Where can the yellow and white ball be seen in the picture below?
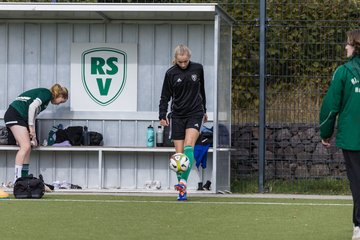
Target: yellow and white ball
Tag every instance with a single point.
(179, 162)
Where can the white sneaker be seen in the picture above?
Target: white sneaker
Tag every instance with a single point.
(156, 184)
(47, 189)
(356, 233)
(8, 185)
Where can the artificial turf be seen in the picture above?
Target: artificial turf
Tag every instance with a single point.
(147, 217)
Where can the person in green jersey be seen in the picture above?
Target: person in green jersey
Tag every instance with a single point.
(341, 103)
(20, 120)
(184, 86)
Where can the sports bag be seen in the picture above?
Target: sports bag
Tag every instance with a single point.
(91, 138)
(29, 187)
(72, 133)
(96, 138)
(58, 134)
(6, 136)
(206, 136)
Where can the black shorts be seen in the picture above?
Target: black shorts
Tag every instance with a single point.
(178, 126)
(13, 117)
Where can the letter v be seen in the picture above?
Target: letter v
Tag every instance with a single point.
(104, 90)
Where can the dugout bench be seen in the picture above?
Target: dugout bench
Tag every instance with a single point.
(42, 43)
(101, 151)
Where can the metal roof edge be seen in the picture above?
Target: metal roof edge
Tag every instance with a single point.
(219, 10)
(127, 7)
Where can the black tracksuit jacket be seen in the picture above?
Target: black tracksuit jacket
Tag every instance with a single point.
(185, 87)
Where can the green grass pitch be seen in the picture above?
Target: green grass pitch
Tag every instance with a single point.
(106, 217)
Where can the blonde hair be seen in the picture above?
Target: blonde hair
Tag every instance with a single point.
(58, 91)
(181, 50)
(354, 40)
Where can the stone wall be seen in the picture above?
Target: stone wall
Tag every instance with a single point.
(292, 151)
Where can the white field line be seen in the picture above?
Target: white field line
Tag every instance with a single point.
(187, 202)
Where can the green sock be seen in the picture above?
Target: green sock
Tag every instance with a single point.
(189, 152)
(25, 170)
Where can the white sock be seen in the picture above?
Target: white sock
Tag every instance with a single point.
(18, 169)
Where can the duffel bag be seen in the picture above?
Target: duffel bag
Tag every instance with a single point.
(29, 187)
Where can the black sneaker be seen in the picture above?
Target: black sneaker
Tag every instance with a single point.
(207, 185)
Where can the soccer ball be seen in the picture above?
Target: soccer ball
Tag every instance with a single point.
(179, 162)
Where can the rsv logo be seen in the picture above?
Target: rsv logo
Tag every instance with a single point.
(103, 72)
(354, 81)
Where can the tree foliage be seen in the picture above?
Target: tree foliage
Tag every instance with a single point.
(304, 45)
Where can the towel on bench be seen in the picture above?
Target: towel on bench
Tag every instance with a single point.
(200, 154)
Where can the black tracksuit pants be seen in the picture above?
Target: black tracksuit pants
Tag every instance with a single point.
(352, 162)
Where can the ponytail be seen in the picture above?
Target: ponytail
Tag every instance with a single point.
(58, 91)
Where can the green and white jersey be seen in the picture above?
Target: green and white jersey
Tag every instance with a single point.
(340, 107)
(23, 101)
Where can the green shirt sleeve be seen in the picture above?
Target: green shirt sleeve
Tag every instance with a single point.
(332, 103)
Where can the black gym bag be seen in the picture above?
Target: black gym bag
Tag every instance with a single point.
(29, 187)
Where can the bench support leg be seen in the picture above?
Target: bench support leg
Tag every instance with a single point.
(100, 156)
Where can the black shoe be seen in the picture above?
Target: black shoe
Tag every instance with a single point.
(50, 186)
(207, 185)
(73, 186)
(200, 186)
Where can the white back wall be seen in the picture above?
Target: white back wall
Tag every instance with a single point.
(39, 55)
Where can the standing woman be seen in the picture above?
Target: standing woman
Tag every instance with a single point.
(184, 85)
(20, 119)
(342, 102)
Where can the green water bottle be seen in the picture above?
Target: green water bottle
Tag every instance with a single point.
(150, 136)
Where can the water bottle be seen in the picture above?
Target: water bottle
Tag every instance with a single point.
(150, 136)
(159, 137)
(86, 137)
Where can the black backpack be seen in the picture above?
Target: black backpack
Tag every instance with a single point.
(6, 136)
(96, 138)
(206, 136)
(29, 187)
